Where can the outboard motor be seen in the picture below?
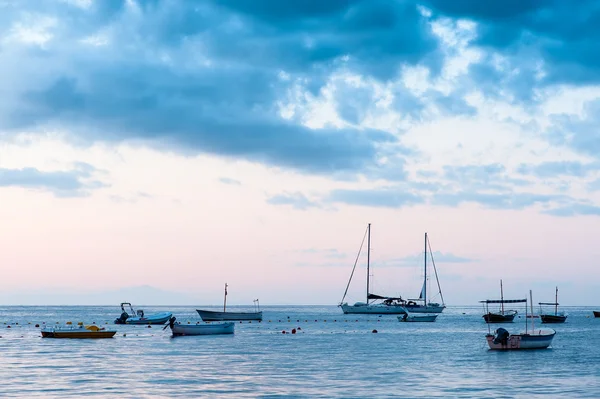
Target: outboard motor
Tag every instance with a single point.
(171, 323)
(501, 336)
(122, 319)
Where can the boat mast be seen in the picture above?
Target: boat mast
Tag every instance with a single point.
(531, 304)
(556, 302)
(368, 257)
(501, 297)
(225, 298)
(425, 268)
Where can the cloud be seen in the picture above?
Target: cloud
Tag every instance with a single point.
(558, 168)
(205, 78)
(387, 197)
(72, 183)
(438, 257)
(576, 209)
(230, 181)
(553, 35)
(296, 200)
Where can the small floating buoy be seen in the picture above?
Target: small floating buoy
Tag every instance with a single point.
(283, 332)
(293, 331)
(124, 335)
(374, 331)
(299, 328)
(149, 326)
(37, 325)
(80, 323)
(69, 323)
(8, 326)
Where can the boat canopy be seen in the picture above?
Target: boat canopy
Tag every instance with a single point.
(374, 296)
(549, 303)
(504, 301)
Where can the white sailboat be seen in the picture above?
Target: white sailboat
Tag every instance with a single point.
(375, 304)
(423, 304)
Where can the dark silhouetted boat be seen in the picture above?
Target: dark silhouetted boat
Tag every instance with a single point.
(211, 315)
(552, 317)
(502, 316)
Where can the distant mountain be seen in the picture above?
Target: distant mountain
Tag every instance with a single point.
(137, 295)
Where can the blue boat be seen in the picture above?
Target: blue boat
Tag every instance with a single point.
(133, 317)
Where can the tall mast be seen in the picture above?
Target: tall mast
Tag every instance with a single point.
(368, 258)
(425, 267)
(531, 304)
(556, 302)
(501, 297)
(225, 298)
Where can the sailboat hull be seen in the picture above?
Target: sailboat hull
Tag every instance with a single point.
(425, 309)
(209, 315)
(499, 317)
(372, 309)
(552, 318)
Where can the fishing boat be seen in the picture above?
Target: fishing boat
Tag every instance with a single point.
(179, 330)
(417, 317)
(81, 332)
(133, 317)
(530, 339)
(379, 304)
(211, 315)
(503, 316)
(552, 317)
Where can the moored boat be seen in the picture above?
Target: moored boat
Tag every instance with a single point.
(139, 317)
(80, 332)
(530, 339)
(502, 316)
(555, 317)
(418, 317)
(200, 329)
(379, 304)
(211, 315)
(596, 313)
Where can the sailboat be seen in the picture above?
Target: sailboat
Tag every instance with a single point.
(530, 339)
(392, 305)
(375, 304)
(422, 305)
(504, 316)
(211, 315)
(549, 317)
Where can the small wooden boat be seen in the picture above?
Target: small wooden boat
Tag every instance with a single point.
(530, 339)
(503, 316)
(537, 339)
(596, 313)
(211, 315)
(179, 330)
(81, 332)
(139, 318)
(552, 317)
(418, 317)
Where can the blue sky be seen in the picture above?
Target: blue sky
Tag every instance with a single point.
(138, 129)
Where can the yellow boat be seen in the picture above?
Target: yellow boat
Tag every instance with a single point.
(91, 331)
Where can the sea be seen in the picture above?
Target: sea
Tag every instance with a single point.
(330, 355)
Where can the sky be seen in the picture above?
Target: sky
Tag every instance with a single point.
(178, 145)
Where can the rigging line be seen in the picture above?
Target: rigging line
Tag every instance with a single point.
(435, 270)
(355, 263)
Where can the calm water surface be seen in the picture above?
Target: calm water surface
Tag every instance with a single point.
(332, 355)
